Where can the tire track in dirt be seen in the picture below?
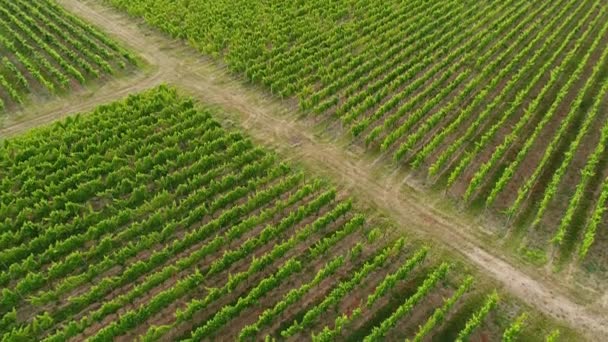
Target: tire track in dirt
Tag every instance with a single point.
(272, 123)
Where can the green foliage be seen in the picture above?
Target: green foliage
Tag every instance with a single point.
(48, 48)
(553, 336)
(478, 317)
(515, 328)
(440, 313)
(379, 331)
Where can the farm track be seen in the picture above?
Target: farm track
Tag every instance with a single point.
(273, 123)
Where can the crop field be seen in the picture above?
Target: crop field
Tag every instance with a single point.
(500, 103)
(162, 225)
(343, 170)
(45, 51)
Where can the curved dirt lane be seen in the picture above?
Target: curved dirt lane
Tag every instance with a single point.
(270, 122)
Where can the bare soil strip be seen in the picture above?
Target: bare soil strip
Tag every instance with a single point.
(274, 124)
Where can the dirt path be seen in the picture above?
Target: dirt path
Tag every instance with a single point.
(273, 124)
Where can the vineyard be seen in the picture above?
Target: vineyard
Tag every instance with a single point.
(45, 51)
(146, 220)
(500, 103)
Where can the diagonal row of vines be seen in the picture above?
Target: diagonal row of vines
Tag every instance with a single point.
(146, 220)
(46, 51)
(502, 103)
